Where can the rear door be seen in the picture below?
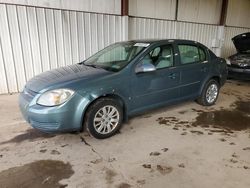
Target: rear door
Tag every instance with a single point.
(194, 68)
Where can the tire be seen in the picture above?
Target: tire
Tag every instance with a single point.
(104, 118)
(209, 94)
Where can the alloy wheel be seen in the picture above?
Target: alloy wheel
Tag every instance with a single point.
(106, 119)
(212, 93)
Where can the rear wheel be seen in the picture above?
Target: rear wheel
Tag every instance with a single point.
(104, 118)
(209, 93)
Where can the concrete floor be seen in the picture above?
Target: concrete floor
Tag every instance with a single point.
(169, 147)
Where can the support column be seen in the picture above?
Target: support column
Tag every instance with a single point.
(124, 8)
(223, 13)
(221, 38)
(124, 13)
(221, 29)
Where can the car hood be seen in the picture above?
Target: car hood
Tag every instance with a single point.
(63, 75)
(242, 42)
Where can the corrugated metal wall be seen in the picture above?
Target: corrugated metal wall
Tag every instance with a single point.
(228, 47)
(36, 39)
(33, 40)
(140, 28)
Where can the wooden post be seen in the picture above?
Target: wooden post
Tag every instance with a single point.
(124, 8)
(223, 13)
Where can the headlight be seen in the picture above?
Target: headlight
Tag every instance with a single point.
(242, 64)
(228, 62)
(55, 97)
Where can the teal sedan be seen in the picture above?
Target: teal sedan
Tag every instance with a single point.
(120, 81)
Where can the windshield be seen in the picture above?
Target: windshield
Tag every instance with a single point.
(116, 56)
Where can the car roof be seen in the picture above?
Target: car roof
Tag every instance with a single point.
(163, 40)
(184, 41)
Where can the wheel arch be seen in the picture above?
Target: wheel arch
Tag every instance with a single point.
(202, 100)
(109, 95)
(216, 78)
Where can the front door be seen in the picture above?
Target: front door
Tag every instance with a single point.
(151, 89)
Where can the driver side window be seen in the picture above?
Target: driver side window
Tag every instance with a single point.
(161, 57)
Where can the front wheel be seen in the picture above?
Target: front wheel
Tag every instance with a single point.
(104, 118)
(209, 93)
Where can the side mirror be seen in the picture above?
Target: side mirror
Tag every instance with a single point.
(144, 68)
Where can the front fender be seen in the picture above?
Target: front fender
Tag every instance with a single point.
(90, 98)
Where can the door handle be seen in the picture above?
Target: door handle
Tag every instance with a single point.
(172, 76)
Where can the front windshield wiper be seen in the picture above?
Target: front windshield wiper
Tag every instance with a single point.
(92, 65)
(99, 67)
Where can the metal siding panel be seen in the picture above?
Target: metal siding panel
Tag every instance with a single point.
(125, 29)
(7, 52)
(106, 30)
(74, 37)
(43, 39)
(111, 29)
(3, 81)
(87, 32)
(16, 47)
(59, 38)
(67, 37)
(34, 40)
(81, 36)
(38, 39)
(153, 28)
(131, 28)
(137, 31)
(25, 41)
(52, 48)
(122, 28)
(117, 28)
(94, 37)
(100, 31)
(162, 33)
(143, 25)
(147, 29)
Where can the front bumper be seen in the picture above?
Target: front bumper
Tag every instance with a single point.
(62, 118)
(239, 73)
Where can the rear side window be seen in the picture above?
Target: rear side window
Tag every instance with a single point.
(191, 54)
(202, 55)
